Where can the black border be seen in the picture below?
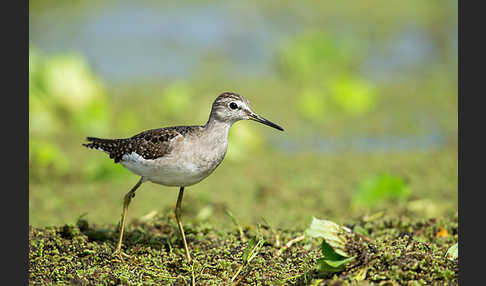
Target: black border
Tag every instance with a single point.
(471, 120)
(15, 140)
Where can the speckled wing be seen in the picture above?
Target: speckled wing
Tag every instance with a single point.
(150, 144)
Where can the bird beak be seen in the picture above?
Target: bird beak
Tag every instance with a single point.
(258, 118)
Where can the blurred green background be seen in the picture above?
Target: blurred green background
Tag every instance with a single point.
(366, 92)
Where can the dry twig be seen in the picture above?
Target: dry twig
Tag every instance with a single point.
(289, 244)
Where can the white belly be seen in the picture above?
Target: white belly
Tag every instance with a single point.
(171, 170)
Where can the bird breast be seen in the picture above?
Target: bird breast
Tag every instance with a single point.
(191, 160)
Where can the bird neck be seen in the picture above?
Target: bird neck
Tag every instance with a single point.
(217, 127)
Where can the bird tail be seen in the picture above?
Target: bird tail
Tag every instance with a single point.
(109, 146)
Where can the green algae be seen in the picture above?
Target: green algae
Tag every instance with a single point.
(396, 251)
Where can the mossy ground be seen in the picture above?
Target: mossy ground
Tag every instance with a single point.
(390, 251)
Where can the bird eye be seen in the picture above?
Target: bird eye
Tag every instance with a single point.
(233, 105)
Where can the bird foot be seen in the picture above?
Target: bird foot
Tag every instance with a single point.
(118, 253)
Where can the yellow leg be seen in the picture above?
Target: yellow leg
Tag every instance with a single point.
(126, 202)
(179, 223)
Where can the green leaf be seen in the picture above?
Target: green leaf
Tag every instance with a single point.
(327, 266)
(333, 245)
(453, 253)
(248, 249)
(252, 249)
(329, 253)
(339, 263)
(332, 233)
